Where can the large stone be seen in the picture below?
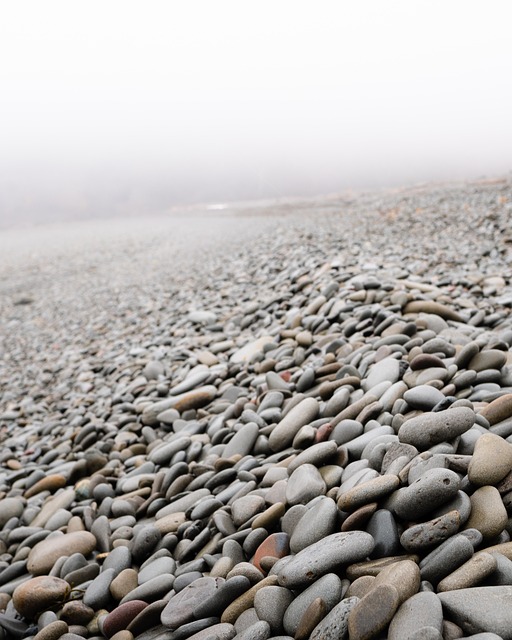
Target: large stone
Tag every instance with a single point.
(44, 554)
(39, 594)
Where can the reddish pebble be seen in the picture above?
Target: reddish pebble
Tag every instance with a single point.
(121, 616)
(276, 545)
(323, 432)
(285, 375)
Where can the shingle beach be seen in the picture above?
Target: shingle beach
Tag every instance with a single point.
(283, 420)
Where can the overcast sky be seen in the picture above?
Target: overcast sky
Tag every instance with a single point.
(120, 107)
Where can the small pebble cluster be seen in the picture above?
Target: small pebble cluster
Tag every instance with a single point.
(301, 430)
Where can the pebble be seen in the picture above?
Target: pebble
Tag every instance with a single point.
(44, 554)
(121, 616)
(38, 594)
(370, 615)
(285, 431)
(488, 514)
(430, 428)
(480, 609)
(491, 460)
(335, 623)
(321, 557)
(422, 610)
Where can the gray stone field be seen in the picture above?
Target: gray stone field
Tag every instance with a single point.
(281, 420)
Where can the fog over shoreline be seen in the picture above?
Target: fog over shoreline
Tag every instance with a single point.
(109, 111)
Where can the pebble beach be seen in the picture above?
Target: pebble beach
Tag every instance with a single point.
(287, 420)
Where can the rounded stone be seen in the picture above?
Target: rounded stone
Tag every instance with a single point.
(39, 594)
(428, 429)
(369, 491)
(285, 431)
(121, 616)
(324, 556)
(498, 410)
(335, 623)
(44, 554)
(420, 610)
(470, 573)
(373, 612)
(52, 631)
(431, 490)
(316, 523)
(403, 575)
(491, 460)
(271, 603)
(488, 514)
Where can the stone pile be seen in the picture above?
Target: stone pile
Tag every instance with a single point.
(306, 437)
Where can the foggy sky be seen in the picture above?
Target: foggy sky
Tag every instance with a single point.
(124, 107)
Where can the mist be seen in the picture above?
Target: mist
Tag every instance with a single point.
(115, 109)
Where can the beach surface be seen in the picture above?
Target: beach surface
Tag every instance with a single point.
(271, 420)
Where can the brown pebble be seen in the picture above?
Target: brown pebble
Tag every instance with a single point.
(269, 517)
(315, 612)
(491, 460)
(124, 634)
(373, 613)
(367, 492)
(52, 631)
(360, 587)
(358, 519)
(49, 483)
(5, 598)
(76, 612)
(470, 573)
(44, 554)
(425, 361)
(123, 583)
(404, 576)
(488, 514)
(498, 410)
(451, 631)
(374, 567)
(39, 594)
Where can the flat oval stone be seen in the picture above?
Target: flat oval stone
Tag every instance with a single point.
(450, 555)
(304, 484)
(313, 614)
(10, 508)
(431, 490)
(373, 612)
(488, 514)
(123, 583)
(480, 609)
(335, 623)
(328, 588)
(271, 603)
(470, 573)
(498, 410)
(427, 534)
(243, 441)
(491, 460)
(222, 597)
(403, 575)
(317, 523)
(387, 370)
(324, 556)
(44, 554)
(38, 594)
(285, 431)
(258, 631)
(52, 631)
(221, 631)
(121, 616)
(180, 608)
(434, 308)
(424, 397)
(317, 455)
(488, 359)
(421, 610)
(428, 429)
(369, 491)
(246, 600)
